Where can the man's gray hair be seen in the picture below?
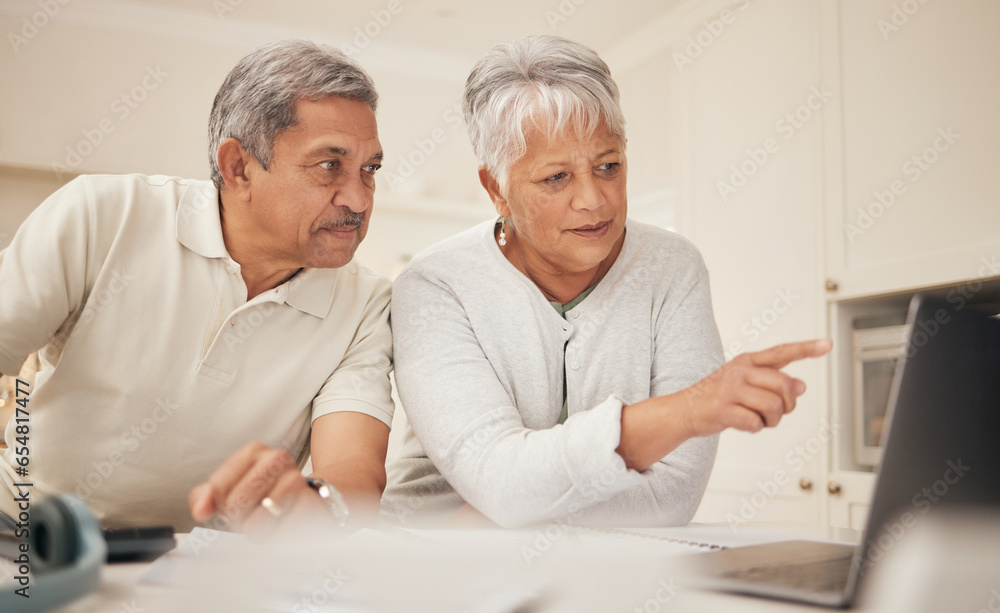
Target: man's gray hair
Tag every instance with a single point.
(257, 100)
(544, 81)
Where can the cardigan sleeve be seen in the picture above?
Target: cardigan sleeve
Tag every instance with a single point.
(686, 348)
(470, 427)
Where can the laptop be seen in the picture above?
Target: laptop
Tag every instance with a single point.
(942, 448)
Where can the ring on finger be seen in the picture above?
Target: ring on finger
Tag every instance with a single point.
(271, 506)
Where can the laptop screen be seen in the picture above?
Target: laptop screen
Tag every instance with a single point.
(943, 446)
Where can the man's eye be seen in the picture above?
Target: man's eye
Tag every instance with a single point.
(559, 176)
(372, 168)
(329, 165)
(609, 167)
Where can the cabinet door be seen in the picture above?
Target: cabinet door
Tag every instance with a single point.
(911, 143)
(748, 195)
(848, 496)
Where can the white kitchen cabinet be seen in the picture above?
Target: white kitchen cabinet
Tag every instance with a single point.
(910, 143)
(841, 153)
(748, 194)
(909, 180)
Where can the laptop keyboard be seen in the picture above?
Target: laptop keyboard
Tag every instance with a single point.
(828, 575)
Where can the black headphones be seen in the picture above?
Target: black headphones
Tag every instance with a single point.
(63, 549)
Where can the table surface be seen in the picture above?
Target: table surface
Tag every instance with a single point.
(619, 571)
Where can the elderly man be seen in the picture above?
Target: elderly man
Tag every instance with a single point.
(180, 320)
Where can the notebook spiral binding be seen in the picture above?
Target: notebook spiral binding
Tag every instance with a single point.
(709, 546)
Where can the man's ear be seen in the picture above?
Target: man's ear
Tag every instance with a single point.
(492, 188)
(234, 162)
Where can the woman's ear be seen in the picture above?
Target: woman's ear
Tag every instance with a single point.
(233, 162)
(492, 188)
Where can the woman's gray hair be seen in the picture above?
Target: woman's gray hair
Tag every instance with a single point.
(257, 100)
(545, 81)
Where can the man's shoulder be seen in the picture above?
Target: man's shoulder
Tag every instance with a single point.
(137, 193)
(127, 183)
(362, 277)
(353, 283)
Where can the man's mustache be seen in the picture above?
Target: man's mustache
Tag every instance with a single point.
(350, 219)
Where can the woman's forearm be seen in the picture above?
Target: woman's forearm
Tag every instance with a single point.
(748, 393)
(651, 429)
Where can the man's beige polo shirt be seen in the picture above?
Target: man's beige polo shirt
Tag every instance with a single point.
(156, 368)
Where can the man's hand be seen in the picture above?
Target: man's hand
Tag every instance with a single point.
(348, 450)
(749, 392)
(237, 488)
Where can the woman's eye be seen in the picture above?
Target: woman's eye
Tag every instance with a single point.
(559, 176)
(609, 167)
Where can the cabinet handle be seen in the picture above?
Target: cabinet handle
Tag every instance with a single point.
(831, 285)
(833, 487)
(805, 484)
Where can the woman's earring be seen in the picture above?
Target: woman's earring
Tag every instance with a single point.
(503, 237)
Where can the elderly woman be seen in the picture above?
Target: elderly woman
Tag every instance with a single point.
(559, 361)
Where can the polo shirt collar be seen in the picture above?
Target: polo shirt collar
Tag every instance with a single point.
(311, 291)
(199, 228)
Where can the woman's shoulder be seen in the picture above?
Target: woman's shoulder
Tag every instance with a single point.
(454, 256)
(655, 245)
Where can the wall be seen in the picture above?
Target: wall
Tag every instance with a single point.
(108, 99)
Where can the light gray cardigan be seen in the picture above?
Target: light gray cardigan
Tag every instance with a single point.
(479, 361)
